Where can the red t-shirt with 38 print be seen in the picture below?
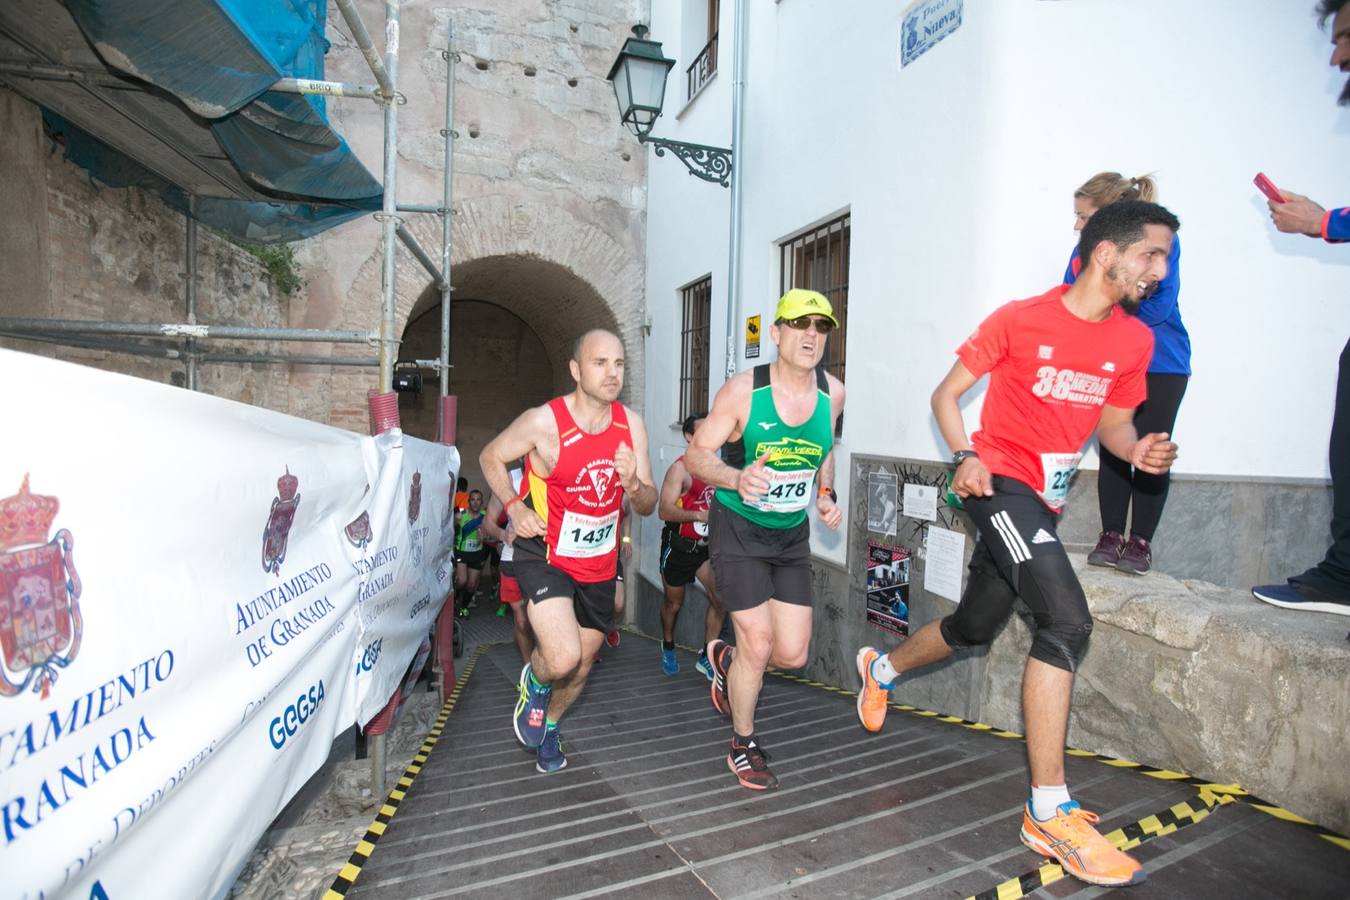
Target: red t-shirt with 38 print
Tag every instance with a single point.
(1050, 374)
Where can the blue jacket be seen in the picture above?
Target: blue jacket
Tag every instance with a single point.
(1171, 343)
(1336, 225)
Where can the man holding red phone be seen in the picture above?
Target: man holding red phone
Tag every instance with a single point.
(1326, 586)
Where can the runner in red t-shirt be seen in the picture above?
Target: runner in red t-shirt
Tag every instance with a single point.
(684, 556)
(583, 453)
(1061, 367)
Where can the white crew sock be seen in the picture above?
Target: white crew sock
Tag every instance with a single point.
(883, 672)
(1046, 799)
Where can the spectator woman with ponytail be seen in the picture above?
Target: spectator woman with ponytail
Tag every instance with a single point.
(1121, 489)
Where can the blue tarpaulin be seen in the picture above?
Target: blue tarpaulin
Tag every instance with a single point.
(219, 58)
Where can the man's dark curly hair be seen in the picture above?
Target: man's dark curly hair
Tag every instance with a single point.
(1325, 10)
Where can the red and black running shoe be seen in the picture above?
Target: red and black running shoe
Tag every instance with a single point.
(720, 654)
(751, 767)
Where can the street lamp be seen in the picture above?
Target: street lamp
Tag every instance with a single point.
(639, 79)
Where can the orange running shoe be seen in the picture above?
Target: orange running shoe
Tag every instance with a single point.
(872, 699)
(1079, 848)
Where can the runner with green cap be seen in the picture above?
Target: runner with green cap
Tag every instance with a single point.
(777, 422)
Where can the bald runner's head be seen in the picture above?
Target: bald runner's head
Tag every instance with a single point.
(597, 364)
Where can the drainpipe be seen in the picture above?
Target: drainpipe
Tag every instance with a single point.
(738, 167)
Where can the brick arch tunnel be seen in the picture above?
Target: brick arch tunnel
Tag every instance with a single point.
(513, 319)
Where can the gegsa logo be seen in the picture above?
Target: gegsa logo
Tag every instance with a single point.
(295, 715)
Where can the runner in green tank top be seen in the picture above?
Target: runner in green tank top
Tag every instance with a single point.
(777, 422)
(469, 553)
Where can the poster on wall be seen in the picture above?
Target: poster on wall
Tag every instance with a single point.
(888, 588)
(924, 23)
(881, 502)
(752, 337)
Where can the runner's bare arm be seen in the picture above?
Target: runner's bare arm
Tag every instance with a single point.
(826, 508)
(971, 476)
(836, 400)
(1153, 453)
(642, 495)
(532, 431)
(675, 483)
(724, 421)
(829, 511)
(490, 527)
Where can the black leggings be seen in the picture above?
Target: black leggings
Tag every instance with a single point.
(1332, 574)
(1119, 485)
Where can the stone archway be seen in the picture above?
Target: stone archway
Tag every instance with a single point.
(543, 269)
(501, 368)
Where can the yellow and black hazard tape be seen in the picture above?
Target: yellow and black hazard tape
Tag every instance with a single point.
(347, 875)
(1127, 837)
(1234, 791)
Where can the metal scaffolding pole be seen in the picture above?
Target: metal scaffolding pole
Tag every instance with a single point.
(389, 216)
(191, 347)
(421, 255)
(447, 217)
(200, 332)
(422, 208)
(352, 17)
(173, 353)
(328, 88)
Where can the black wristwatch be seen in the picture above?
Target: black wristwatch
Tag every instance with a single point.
(828, 492)
(961, 456)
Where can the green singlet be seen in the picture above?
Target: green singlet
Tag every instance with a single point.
(469, 540)
(797, 452)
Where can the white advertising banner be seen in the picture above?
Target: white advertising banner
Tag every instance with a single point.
(189, 591)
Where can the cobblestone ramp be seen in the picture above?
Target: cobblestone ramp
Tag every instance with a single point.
(646, 806)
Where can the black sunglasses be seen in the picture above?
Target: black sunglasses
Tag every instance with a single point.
(801, 323)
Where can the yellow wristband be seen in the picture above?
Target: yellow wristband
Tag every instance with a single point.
(627, 540)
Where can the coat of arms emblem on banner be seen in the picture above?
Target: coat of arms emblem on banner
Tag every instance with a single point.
(40, 623)
(415, 498)
(278, 529)
(415, 510)
(358, 530)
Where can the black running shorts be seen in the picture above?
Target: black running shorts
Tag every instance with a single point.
(681, 558)
(1019, 554)
(592, 602)
(752, 564)
(472, 559)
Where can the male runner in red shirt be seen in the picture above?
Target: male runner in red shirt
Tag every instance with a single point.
(684, 556)
(583, 452)
(1060, 365)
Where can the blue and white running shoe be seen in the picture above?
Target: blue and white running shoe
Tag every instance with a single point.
(531, 713)
(551, 757)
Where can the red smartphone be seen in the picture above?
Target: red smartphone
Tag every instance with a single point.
(1267, 187)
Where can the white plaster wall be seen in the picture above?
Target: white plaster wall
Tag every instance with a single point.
(959, 169)
(687, 237)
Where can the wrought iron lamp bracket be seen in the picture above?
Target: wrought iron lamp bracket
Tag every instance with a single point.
(709, 163)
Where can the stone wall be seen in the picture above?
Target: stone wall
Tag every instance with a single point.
(72, 248)
(550, 195)
(550, 203)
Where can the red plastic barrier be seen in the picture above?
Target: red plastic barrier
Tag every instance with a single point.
(383, 411)
(449, 418)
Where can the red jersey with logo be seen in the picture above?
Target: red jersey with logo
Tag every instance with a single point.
(696, 499)
(1050, 374)
(579, 500)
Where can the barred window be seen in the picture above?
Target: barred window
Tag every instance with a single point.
(695, 336)
(818, 260)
